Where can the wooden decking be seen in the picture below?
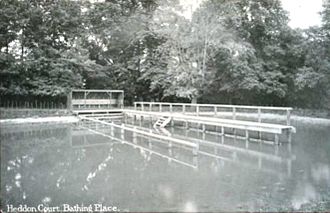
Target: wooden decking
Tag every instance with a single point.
(97, 111)
(212, 121)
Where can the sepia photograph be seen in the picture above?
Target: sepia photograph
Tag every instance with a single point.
(164, 106)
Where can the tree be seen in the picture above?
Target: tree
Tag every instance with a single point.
(312, 79)
(47, 58)
(184, 58)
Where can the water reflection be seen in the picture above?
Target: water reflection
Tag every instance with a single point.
(305, 193)
(82, 164)
(321, 173)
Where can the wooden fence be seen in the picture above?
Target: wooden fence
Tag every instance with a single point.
(32, 104)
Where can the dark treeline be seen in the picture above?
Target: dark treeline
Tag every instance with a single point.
(240, 52)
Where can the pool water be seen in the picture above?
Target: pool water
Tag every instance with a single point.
(54, 165)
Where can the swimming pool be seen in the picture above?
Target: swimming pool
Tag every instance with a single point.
(56, 165)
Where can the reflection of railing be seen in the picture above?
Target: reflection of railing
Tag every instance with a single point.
(199, 108)
(236, 153)
(143, 148)
(227, 147)
(260, 156)
(149, 134)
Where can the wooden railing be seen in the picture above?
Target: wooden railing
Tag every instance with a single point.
(149, 106)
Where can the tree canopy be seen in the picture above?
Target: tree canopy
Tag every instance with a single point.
(240, 52)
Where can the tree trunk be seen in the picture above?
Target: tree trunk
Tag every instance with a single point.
(204, 59)
(194, 100)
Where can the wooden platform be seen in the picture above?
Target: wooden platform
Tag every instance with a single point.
(97, 111)
(212, 121)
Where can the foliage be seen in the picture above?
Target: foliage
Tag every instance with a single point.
(229, 51)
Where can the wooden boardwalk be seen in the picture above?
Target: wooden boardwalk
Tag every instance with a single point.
(212, 121)
(200, 114)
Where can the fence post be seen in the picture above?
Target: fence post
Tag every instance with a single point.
(215, 110)
(150, 107)
(122, 132)
(122, 97)
(160, 107)
(234, 113)
(171, 108)
(259, 115)
(183, 108)
(112, 129)
(197, 110)
(135, 105)
(134, 135)
(288, 117)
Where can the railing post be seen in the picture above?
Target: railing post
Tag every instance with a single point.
(196, 149)
(135, 105)
(150, 107)
(111, 129)
(197, 110)
(121, 100)
(183, 109)
(134, 135)
(122, 132)
(259, 115)
(142, 106)
(215, 110)
(276, 139)
(171, 108)
(234, 113)
(160, 107)
(288, 117)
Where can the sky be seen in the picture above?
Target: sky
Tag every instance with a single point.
(302, 13)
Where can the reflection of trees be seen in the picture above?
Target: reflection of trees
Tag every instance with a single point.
(34, 156)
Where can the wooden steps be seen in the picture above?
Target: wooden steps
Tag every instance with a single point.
(162, 121)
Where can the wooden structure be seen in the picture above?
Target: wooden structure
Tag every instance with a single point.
(209, 109)
(124, 128)
(122, 140)
(234, 154)
(164, 113)
(246, 126)
(91, 99)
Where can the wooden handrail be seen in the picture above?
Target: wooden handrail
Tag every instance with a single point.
(216, 106)
(97, 90)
